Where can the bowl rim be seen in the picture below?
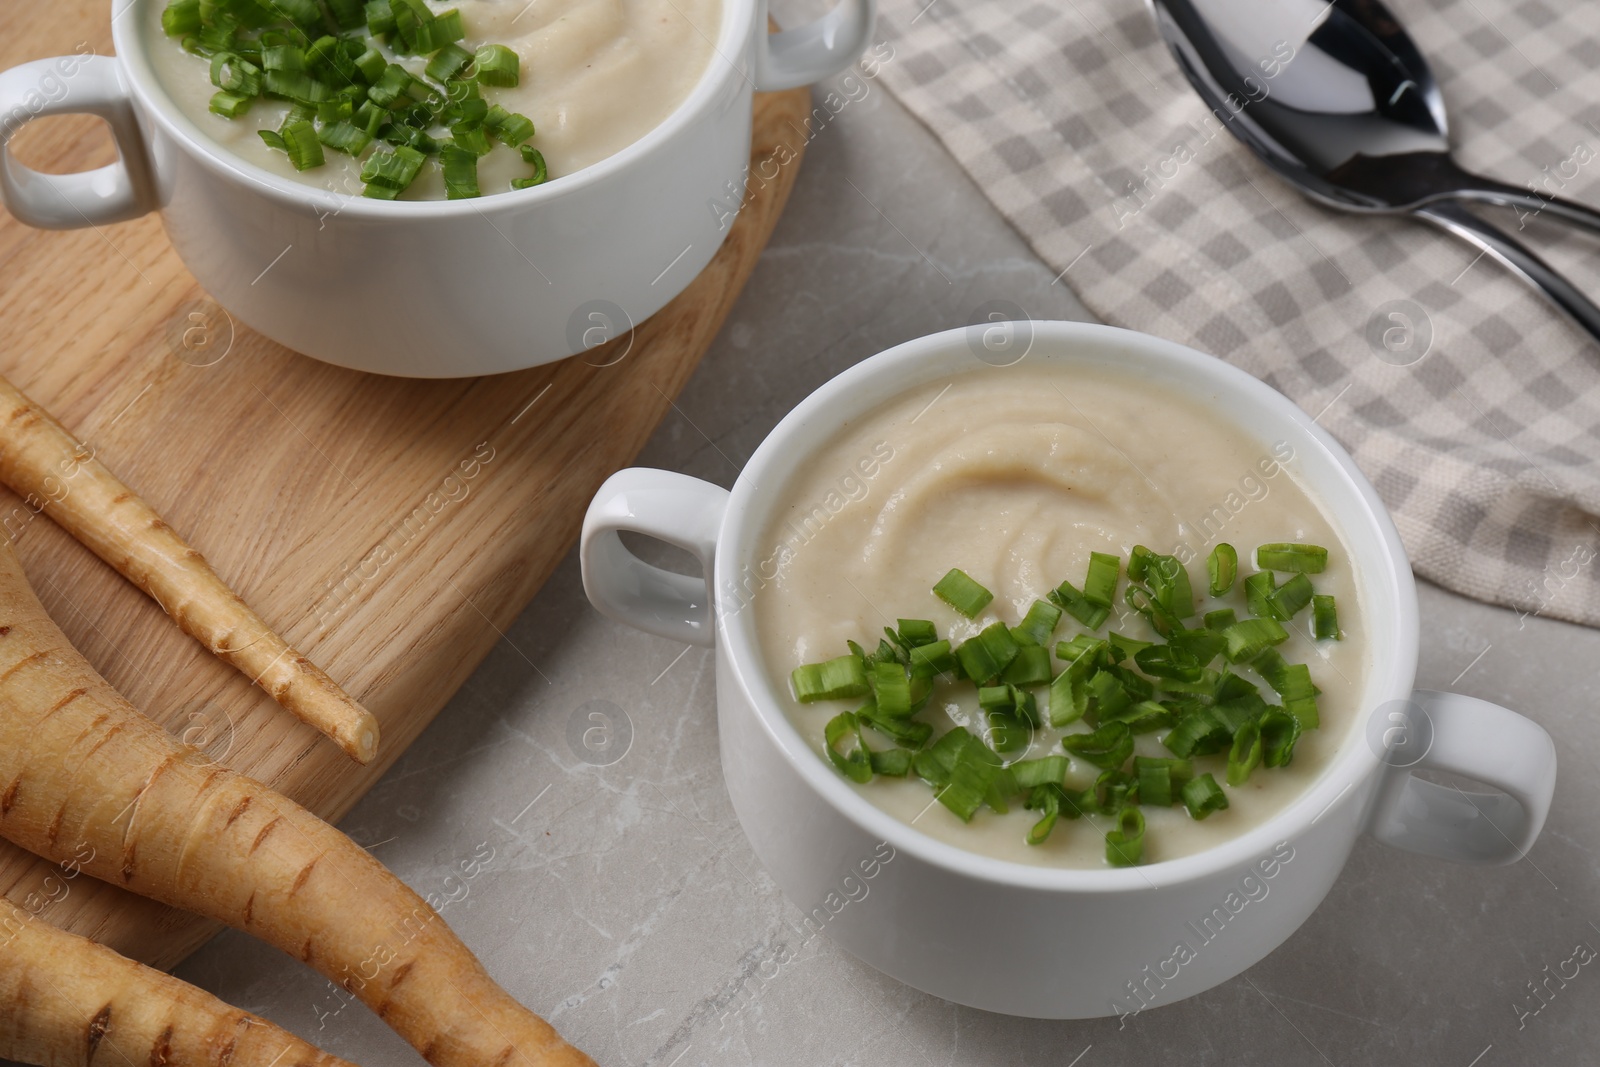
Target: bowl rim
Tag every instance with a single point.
(734, 30)
(1381, 562)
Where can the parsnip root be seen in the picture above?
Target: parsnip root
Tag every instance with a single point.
(49, 468)
(66, 1001)
(83, 773)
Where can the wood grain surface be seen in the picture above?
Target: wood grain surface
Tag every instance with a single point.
(391, 529)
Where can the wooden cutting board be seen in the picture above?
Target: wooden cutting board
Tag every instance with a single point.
(390, 529)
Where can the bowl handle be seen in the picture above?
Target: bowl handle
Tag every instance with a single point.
(807, 54)
(81, 84)
(674, 508)
(1482, 741)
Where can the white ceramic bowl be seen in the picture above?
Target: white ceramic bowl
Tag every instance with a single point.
(1042, 942)
(431, 289)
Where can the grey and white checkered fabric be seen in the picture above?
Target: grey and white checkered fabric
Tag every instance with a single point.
(1074, 119)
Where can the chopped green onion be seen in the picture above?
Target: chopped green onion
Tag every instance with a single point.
(1139, 563)
(1168, 580)
(1160, 780)
(371, 64)
(1302, 559)
(447, 62)
(1100, 587)
(1008, 733)
(300, 141)
(1279, 731)
(1038, 624)
(1231, 686)
(935, 658)
(180, 17)
(541, 173)
(510, 127)
(906, 732)
(1108, 747)
(1030, 667)
(913, 633)
(233, 74)
(1197, 733)
(834, 679)
(1069, 695)
(1202, 796)
(1141, 718)
(1325, 618)
(1222, 567)
(345, 136)
(892, 688)
(1125, 844)
(1070, 599)
(497, 65)
(460, 172)
(273, 140)
(855, 760)
(380, 18)
(1114, 790)
(1238, 713)
(1047, 770)
(1304, 710)
(962, 593)
(230, 105)
(1046, 800)
(1200, 645)
(1248, 637)
(891, 763)
(987, 654)
(1220, 619)
(1245, 753)
(1258, 594)
(472, 139)
(1168, 661)
(1107, 695)
(1122, 647)
(349, 14)
(1290, 597)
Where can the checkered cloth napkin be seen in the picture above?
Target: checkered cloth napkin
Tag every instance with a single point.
(1072, 116)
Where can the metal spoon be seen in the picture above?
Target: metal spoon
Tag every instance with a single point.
(1337, 100)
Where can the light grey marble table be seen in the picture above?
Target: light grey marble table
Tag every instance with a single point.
(624, 904)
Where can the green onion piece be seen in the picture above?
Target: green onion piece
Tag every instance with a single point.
(1047, 801)
(447, 28)
(1038, 624)
(987, 654)
(1137, 686)
(380, 192)
(345, 136)
(1168, 661)
(1008, 733)
(1197, 733)
(834, 679)
(1047, 770)
(1168, 580)
(1141, 718)
(1202, 688)
(1222, 567)
(1290, 597)
(916, 632)
(1245, 753)
(541, 173)
(300, 141)
(1239, 713)
(854, 760)
(1114, 790)
(1200, 645)
(891, 763)
(180, 17)
(991, 697)
(273, 140)
(966, 773)
(295, 85)
(233, 74)
(1304, 710)
(1081, 646)
(1248, 637)
(349, 14)
(1100, 586)
(1107, 694)
(460, 172)
(1302, 559)
(1220, 619)
(472, 139)
(1231, 686)
(391, 88)
(1292, 681)
(1069, 697)
(1125, 844)
(497, 65)
(1145, 603)
(908, 733)
(510, 127)
(1139, 563)
(1122, 647)
(1279, 731)
(283, 57)
(935, 658)
(1030, 667)
(1258, 594)
(1202, 796)
(371, 64)
(1108, 747)
(303, 13)
(1325, 618)
(230, 105)
(447, 62)
(1070, 599)
(1160, 780)
(893, 689)
(962, 593)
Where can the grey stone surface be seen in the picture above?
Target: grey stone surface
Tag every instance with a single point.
(623, 902)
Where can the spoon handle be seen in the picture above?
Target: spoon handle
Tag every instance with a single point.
(1526, 203)
(1516, 256)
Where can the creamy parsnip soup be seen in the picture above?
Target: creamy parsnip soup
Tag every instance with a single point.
(586, 78)
(1061, 616)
